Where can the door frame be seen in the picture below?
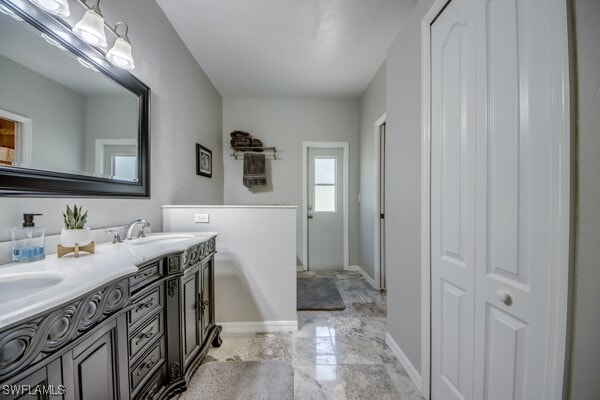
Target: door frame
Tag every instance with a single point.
(23, 140)
(557, 373)
(377, 202)
(324, 145)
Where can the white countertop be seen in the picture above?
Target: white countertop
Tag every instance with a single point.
(284, 206)
(84, 274)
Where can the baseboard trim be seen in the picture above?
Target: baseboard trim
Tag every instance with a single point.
(358, 268)
(259, 326)
(410, 369)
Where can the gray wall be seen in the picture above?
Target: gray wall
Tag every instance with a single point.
(403, 195)
(286, 124)
(372, 106)
(108, 117)
(586, 337)
(185, 109)
(57, 114)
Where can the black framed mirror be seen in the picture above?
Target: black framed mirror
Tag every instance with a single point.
(71, 124)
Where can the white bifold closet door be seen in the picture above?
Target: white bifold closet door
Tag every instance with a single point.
(497, 182)
(452, 203)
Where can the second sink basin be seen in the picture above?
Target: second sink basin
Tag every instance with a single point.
(162, 238)
(20, 285)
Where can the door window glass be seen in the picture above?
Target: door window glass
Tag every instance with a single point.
(325, 182)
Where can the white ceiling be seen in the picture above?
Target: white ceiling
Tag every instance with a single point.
(288, 48)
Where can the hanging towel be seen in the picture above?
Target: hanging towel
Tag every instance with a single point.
(254, 170)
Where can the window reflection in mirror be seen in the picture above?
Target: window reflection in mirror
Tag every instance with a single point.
(57, 115)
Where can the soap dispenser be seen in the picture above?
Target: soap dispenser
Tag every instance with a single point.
(28, 241)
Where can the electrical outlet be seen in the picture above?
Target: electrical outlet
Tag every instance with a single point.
(201, 218)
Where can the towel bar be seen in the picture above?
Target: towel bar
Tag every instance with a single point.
(268, 151)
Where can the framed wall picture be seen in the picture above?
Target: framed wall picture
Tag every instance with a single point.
(203, 161)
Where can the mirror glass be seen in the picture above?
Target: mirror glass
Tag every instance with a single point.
(60, 114)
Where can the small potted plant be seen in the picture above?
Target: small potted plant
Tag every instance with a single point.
(75, 232)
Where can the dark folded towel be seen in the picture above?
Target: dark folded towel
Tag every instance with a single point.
(240, 135)
(240, 142)
(254, 170)
(257, 143)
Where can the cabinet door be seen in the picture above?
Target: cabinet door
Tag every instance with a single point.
(191, 331)
(208, 313)
(95, 367)
(42, 384)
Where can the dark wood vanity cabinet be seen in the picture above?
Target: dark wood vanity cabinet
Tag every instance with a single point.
(138, 338)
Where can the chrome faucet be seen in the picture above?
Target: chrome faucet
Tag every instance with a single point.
(116, 236)
(129, 229)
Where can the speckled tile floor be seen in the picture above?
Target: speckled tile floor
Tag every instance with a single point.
(338, 355)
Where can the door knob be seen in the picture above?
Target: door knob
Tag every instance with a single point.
(504, 297)
(309, 216)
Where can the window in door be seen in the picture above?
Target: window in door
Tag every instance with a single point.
(325, 184)
(124, 167)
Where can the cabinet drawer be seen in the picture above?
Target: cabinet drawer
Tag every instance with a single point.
(147, 273)
(149, 331)
(155, 386)
(146, 304)
(150, 363)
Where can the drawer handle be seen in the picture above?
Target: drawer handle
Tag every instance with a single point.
(144, 274)
(146, 365)
(147, 304)
(144, 336)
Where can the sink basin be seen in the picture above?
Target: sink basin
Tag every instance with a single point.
(18, 286)
(167, 238)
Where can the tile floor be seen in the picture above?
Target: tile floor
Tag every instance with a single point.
(339, 355)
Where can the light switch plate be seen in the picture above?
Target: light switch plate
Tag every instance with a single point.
(201, 218)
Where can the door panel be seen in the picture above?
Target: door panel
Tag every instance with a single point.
(325, 228)
(505, 371)
(452, 204)
(95, 368)
(516, 163)
(191, 331)
(207, 296)
(382, 271)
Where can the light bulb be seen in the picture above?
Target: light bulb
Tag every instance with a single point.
(120, 54)
(91, 28)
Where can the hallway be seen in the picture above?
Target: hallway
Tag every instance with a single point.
(335, 354)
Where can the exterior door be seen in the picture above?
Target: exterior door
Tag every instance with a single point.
(325, 209)
(499, 200)
(452, 204)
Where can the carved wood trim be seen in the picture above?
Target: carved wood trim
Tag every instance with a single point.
(34, 340)
(173, 287)
(199, 252)
(174, 264)
(175, 371)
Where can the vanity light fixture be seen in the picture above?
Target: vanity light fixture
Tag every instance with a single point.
(120, 54)
(91, 26)
(56, 7)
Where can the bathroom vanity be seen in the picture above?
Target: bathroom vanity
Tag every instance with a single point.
(133, 321)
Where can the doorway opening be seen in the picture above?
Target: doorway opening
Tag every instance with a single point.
(379, 196)
(325, 205)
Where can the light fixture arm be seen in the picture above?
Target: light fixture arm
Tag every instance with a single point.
(124, 35)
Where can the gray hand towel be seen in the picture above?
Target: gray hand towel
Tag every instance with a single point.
(254, 170)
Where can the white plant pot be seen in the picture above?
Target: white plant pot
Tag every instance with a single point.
(71, 237)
